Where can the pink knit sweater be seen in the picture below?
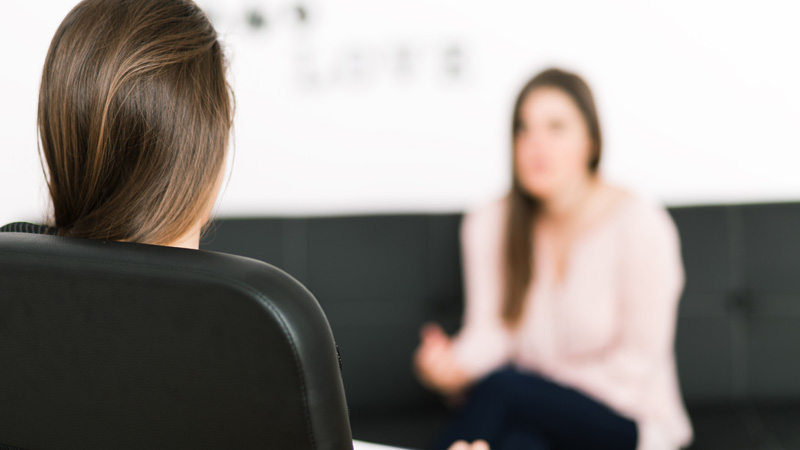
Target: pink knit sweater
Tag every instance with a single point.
(606, 328)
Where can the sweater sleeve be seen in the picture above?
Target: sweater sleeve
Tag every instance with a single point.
(651, 281)
(483, 343)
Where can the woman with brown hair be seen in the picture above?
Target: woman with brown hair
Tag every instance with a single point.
(572, 288)
(134, 118)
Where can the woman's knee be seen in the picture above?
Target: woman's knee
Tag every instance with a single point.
(510, 384)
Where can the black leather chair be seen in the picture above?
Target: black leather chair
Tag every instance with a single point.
(107, 345)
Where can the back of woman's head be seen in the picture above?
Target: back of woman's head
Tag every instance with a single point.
(134, 119)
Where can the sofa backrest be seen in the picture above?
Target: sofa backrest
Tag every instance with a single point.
(380, 278)
(740, 314)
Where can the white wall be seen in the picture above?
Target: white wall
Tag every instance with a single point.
(699, 100)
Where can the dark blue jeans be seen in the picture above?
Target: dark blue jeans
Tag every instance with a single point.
(520, 411)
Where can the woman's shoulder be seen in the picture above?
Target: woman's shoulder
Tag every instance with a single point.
(486, 219)
(640, 214)
(648, 236)
(487, 209)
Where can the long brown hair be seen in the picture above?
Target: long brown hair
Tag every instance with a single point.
(134, 119)
(522, 207)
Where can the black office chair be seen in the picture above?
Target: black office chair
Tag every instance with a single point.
(113, 346)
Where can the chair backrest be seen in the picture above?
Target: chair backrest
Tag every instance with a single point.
(108, 345)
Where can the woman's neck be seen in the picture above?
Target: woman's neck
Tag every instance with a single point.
(566, 204)
(189, 240)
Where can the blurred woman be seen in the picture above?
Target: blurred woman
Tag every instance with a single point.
(572, 288)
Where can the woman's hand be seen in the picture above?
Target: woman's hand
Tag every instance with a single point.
(436, 365)
(463, 445)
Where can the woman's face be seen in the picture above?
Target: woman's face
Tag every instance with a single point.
(552, 147)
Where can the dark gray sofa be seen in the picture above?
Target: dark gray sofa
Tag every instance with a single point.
(379, 278)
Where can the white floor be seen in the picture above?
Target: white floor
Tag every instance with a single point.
(361, 445)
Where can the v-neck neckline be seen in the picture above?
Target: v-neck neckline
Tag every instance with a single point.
(558, 283)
